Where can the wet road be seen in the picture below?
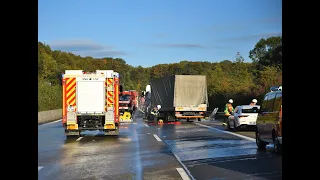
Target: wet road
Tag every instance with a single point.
(135, 154)
(144, 151)
(214, 154)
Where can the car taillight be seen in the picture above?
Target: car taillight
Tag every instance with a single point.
(243, 116)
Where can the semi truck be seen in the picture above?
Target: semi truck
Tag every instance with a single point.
(90, 102)
(178, 96)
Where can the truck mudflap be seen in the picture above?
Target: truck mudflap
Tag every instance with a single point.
(111, 129)
(111, 132)
(72, 133)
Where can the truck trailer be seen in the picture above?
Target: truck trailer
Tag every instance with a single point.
(90, 102)
(179, 96)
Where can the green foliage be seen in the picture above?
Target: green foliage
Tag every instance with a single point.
(238, 80)
(267, 52)
(49, 96)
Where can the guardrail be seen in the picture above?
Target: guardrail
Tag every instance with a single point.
(49, 116)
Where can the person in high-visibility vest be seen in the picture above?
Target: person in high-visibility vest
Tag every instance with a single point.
(253, 102)
(228, 110)
(154, 113)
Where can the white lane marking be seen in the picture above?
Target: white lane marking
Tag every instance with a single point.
(157, 137)
(184, 167)
(227, 132)
(51, 122)
(40, 167)
(79, 138)
(183, 174)
(146, 125)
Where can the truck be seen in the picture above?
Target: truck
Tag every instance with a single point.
(90, 102)
(127, 105)
(178, 96)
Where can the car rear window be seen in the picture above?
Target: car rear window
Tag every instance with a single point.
(249, 111)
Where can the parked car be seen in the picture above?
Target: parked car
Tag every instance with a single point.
(245, 116)
(269, 121)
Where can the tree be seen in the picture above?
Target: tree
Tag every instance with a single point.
(238, 80)
(267, 52)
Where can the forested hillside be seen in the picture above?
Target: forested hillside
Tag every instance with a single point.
(238, 80)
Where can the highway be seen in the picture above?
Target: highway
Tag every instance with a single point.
(198, 150)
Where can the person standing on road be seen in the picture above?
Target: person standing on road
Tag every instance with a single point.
(154, 112)
(228, 110)
(253, 102)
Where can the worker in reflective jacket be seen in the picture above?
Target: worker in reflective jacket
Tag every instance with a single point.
(154, 112)
(228, 110)
(253, 102)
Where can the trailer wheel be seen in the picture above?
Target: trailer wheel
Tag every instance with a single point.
(199, 119)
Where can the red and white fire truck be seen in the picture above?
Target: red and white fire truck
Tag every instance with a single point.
(90, 102)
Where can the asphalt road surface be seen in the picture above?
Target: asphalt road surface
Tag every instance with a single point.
(199, 150)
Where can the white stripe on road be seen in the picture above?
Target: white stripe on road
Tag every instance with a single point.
(146, 125)
(183, 174)
(40, 167)
(184, 167)
(157, 137)
(51, 122)
(79, 138)
(227, 132)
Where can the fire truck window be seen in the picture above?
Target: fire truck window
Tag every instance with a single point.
(125, 98)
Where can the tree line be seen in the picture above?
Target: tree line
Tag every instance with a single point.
(226, 79)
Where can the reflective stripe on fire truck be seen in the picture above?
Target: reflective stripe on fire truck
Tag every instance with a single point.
(116, 99)
(110, 94)
(70, 100)
(109, 118)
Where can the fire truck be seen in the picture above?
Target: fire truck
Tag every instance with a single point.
(90, 102)
(127, 105)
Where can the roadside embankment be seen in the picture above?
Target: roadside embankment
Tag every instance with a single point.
(49, 116)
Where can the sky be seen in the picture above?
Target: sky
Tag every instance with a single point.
(150, 32)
